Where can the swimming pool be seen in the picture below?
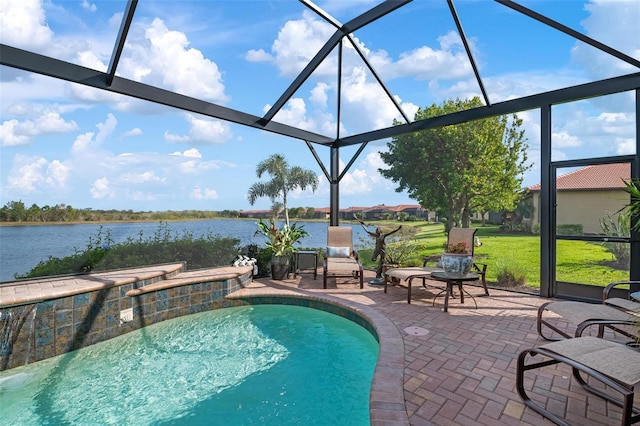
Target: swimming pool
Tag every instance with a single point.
(259, 364)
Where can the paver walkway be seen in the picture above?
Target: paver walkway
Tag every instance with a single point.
(459, 367)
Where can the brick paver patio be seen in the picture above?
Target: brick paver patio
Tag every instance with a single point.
(435, 368)
(459, 366)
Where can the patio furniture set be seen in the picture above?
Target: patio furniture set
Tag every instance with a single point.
(614, 364)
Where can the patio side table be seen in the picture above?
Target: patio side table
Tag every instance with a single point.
(453, 281)
(306, 261)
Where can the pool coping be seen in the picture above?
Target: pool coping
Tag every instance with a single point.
(386, 397)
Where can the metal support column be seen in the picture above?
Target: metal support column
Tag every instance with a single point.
(546, 214)
(334, 187)
(634, 267)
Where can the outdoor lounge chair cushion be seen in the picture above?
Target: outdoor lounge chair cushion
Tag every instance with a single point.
(338, 251)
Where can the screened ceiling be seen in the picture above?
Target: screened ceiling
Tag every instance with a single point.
(350, 57)
(337, 74)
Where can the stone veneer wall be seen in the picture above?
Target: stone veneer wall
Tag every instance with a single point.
(69, 323)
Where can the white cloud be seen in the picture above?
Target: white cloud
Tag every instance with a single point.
(101, 189)
(298, 41)
(598, 25)
(192, 153)
(9, 135)
(86, 142)
(565, 140)
(144, 177)
(363, 178)
(449, 61)
(28, 174)
(625, 146)
(35, 175)
(365, 104)
(295, 114)
(136, 131)
(14, 132)
(202, 132)
(160, 56)
(138, 195)
(89, 59)
(91, 7)
(57, 175)
(319, 94)
(203, 194)
(23, 24)
(258, 55)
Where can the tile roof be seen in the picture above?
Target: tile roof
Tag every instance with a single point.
(326, 210)
(602, 176)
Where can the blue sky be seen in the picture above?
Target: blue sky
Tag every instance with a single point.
(65, 143)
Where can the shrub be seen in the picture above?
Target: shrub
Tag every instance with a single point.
(617, 226)
(570, 229)
(264, 259)
(535, 229)
(510, 274)
(102, 254)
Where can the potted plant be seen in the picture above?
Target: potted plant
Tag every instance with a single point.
(457, 259)
(632, 209)
(281, 242)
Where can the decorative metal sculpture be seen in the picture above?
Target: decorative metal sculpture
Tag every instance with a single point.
(379, 250)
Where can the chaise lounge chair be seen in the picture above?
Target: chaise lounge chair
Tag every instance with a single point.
(614, 313)
(340, 259)
(612, 364)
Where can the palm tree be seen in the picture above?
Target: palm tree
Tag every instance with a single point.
(283, 180)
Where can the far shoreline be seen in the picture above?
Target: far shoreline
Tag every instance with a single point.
(97, 222)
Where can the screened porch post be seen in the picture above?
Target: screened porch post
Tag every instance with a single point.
(334, 187)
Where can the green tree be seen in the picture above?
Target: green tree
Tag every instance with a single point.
(472, 166)
(283, 180)
(295, 211)
(14, 211)
(310, 211)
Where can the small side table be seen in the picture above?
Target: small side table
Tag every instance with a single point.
(306, 261)
(451, 281)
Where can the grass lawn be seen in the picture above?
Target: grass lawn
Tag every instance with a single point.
(577, 261)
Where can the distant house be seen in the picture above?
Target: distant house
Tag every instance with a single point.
(586, 195)
(376, 212)
(257, 214)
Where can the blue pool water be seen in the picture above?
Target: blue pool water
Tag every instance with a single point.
(262, 364)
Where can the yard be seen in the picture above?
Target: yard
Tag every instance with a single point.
(514, 253)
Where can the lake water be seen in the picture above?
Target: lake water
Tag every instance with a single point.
(23, 247)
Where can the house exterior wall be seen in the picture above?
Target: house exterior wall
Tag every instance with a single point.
(584, 207)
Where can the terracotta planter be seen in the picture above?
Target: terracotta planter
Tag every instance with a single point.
(456, 265)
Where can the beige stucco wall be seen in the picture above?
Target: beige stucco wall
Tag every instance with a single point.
(585, 207)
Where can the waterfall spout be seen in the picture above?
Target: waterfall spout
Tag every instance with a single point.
(11, 322)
